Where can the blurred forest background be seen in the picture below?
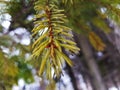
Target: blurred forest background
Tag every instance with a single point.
(95, 25)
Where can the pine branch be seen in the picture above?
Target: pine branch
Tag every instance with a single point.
(52, 36)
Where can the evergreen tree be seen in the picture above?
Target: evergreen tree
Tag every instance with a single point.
(53, 37)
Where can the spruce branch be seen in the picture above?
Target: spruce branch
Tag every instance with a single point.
(52, 36)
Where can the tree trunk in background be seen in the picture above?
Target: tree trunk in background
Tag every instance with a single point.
(72, 77)
(90, 61)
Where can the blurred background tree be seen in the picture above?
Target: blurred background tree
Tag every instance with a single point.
(95, 26)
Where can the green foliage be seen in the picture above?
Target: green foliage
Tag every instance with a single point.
(84, 15)
(8, 70)
(96, 41)
(67, 1)
(12, 68)
(2, 42)
(52, 36)
(23, 69)
(11, 7)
